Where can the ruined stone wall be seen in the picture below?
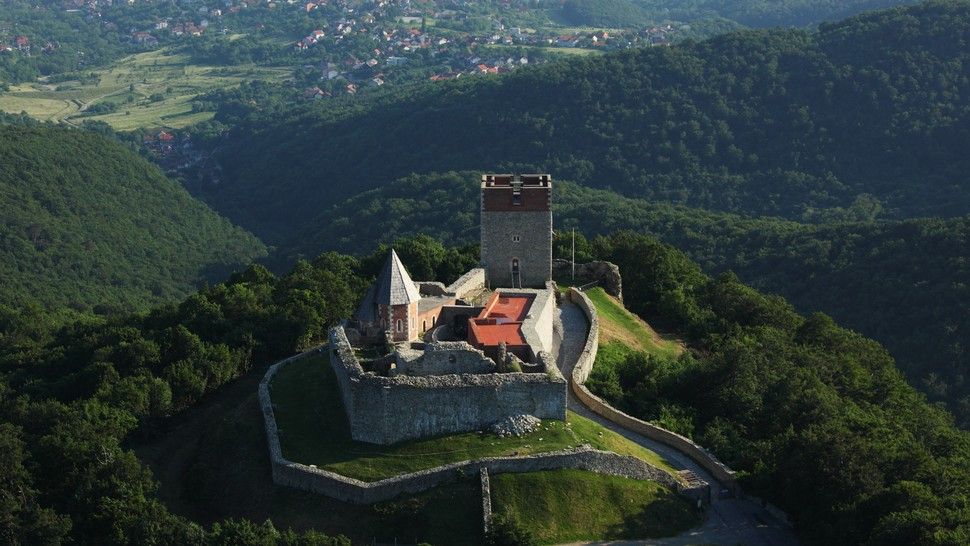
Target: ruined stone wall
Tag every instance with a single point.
(486, 489)
(470, 283)
(346, 489)
(606, 274)
(581, 372)
(384, 410)
(443, 357)
(310, 478)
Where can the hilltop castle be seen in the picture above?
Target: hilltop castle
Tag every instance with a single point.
(460, 357)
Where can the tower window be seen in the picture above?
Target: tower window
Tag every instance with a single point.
(516, 199)
(516, 238)
(399, 326)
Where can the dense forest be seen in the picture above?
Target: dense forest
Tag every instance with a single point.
(784, 123)
(89, 226)
(762, 13)
(70, 396)
(816, 417)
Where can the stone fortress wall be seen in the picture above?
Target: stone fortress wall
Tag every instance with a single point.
(311, 478)
(581, 372)
(385, 410)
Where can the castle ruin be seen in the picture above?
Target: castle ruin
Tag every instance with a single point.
(446, 359)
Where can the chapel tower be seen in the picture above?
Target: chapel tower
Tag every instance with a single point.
(516, 239)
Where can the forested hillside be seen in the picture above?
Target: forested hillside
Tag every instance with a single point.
(802, 125)
(817, 417)
(765, 13)
(90, 226)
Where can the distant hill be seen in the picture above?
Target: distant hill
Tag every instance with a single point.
(605, 13)
(902, 283)
(869, 113)
(765, 13)
(89, 225)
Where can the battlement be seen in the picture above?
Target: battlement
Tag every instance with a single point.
(510, 180)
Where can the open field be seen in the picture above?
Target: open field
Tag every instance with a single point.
(572, 505)
(171, 80)
(315, 431)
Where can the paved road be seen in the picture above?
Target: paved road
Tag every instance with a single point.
(728, 521)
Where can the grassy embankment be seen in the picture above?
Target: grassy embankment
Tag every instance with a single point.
(622, 332)
(128, 84)
(571, 505)
(315, 431)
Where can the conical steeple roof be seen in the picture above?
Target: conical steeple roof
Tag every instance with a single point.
(392, 287)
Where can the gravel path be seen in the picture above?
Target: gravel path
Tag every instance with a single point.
(728, 521)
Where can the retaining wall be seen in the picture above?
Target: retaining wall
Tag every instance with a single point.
(581, 372)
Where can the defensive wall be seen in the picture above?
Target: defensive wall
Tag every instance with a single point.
(331, 484)
(310, 478)
(385, 410)
(580, 374)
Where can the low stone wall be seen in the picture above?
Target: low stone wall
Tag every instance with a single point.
(471, 282)
(486, 500)
(581, 372)
(385, 410)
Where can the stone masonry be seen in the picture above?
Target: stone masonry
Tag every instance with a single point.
(516, 236)
(385, 410)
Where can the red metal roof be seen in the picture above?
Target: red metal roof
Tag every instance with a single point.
(499, 321)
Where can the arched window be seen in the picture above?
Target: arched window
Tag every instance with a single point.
(400, 327)
(424, 325)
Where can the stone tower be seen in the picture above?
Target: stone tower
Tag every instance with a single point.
(516, 245)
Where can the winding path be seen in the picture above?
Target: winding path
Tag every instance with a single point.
(728, 521)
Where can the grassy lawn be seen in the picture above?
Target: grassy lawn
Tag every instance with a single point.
(150, 73)
(572, 505)
(315, 431)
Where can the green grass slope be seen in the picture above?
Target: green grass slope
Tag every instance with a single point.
(87, 225)
(561, 506)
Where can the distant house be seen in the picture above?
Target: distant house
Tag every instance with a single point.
(351, 88)
(567, 40)
(315, 93)
(376, 81)
(397, 61)
(144, 38)
(21, 42)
